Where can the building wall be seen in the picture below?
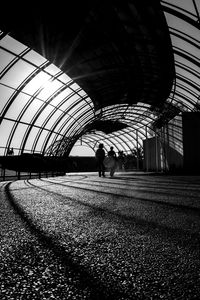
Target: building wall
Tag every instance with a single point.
(152, 158)
(172, 159)
(172, 156)
(191, 141)
(168, 158)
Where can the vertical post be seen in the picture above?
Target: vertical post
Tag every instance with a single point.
(147, 152)
(165, 147)
(162, 133)
(156, 149)
(4, 174)
(137, 150)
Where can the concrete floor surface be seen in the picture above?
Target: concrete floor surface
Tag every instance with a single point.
(134, 236)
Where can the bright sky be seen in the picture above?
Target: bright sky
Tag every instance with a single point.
(81, 150)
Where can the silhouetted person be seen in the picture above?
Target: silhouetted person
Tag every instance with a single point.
(100, 155)
(121, 160)
(112, 155)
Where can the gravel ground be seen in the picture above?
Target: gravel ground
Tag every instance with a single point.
(84, 237)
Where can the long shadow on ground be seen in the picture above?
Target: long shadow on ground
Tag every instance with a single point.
(97, 290)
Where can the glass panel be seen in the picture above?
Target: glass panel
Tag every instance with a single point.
(81, 111)
(11, 44)
(5, 93)
(130, 144)
(89, 101)
(186, 94)
(5, 129)
(49, 89)
(76, 124)
(88, 104)
(198, 5)
(52, 69)
(36, 83)
(65, 119)
(125, 137)
(35, 58)
(185, 62)
(121, 144)
(182, 100)
(74, 86)
(184, 4)
(190, 77)
(31, 110)
(86, 116)
(181, 25)
(50, 140)
(17, 106)
(69, 122)
(18, 135)
(181, 79)
(5, 59)
(180, 43)
(82, 93)
(41, 140)
(112, 142)
(69, 101)
(65, 78)
(44, 115)
(31, 138)
(53, 119)
(17, 74)
(2, 151)
(188, 86)
(74, 109)
(55, 101)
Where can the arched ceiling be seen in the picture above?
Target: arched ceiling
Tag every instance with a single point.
(117, 51)
(85, 71)
(123, 54)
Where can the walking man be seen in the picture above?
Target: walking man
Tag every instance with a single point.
(100, 155)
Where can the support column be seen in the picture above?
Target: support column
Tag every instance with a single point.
(156, 149)
(137, 150)
(147, 157)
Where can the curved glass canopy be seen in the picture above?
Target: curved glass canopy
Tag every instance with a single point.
(42, 110)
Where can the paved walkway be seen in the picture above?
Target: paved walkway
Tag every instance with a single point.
(134, 236)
